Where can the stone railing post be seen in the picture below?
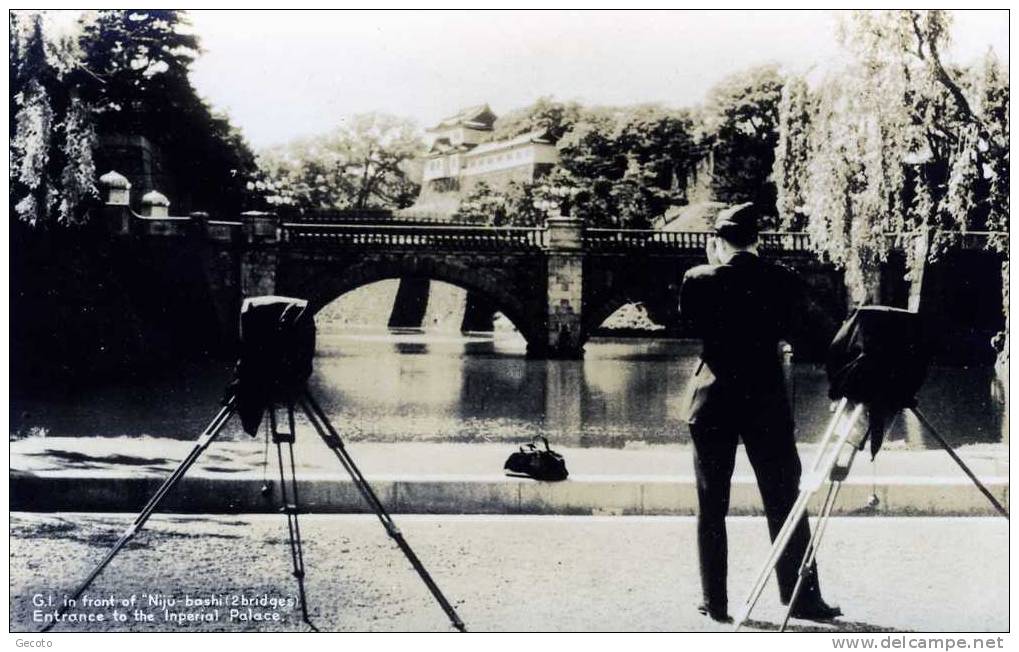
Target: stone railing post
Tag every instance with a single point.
(565, 233)
(199, 223)
(117, 210)
(261, 253)
(565, 293)
(155, 204)
(260, 226)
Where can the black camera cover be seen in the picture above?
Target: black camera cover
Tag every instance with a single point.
(277, 347)
(878, 358)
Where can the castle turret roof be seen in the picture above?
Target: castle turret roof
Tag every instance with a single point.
(479, 116)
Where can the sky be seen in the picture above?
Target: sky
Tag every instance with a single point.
(287, 74)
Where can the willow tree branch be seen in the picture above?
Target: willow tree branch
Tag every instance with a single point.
(943, 76)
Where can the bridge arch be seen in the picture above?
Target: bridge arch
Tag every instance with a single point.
(652, 281)
(322, 284)
(595, 315)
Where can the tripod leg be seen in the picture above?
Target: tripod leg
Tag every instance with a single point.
(811, 553)
(828, 453)
(291, 508)
(829, 432)
(210, 433)
(332, 439)
(962, 465)
(778, 546)
(798, 508)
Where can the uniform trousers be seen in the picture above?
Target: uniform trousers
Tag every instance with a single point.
(771, 448)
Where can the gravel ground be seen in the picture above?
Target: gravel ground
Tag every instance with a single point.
(505, 573)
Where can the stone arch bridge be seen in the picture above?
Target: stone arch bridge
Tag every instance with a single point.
(556, 283)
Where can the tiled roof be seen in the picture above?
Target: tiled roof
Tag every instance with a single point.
(538, 136)
(479, 116)
(442, 146)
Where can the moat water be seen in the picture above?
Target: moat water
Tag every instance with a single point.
(379, 385)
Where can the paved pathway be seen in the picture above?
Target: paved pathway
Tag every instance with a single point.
(515, 573)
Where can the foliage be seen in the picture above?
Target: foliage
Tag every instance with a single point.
(626, 167)
(589, 149)
(362, 164)
(141, 60)
(520, 204)
(619, 167)
(124, 72)
(894, 142)
(546, 114)
(740, 123)
(792, 154)
(483, 206)
(52, 171)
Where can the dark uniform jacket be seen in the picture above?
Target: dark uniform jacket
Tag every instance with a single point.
(740, 310)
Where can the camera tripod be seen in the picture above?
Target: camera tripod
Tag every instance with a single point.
(289, 499)
(836, 452)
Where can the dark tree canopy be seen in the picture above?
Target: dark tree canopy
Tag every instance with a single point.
(741, 129)
(141, 59)
(51, 130)
(624, 167)
(125, 73)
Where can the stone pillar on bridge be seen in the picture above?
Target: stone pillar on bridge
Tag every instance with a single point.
(565, 256)
(117, 211)
(155, 204)
(261, 254)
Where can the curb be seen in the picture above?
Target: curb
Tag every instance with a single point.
(486, 494)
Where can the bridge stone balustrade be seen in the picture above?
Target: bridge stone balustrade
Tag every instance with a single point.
(557, 283)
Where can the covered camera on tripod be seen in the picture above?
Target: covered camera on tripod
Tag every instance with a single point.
(276, 351)
(878, 358)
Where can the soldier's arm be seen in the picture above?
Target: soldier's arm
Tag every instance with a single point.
(691, 303)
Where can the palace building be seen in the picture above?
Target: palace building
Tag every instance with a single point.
(462, 154)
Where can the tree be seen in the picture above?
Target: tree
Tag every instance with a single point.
(362, 164)
(124, 73)
(626, 166)
(740, 119)
(792, 153)
(897, 142)
(483, 206)
(588, 150)
(137, 64)
(142, 59)
(545, 115)
(377, 145)
(661, 150)
(518, 205)
(52, 172)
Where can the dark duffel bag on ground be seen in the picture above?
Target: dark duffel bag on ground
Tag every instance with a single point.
(533, 462)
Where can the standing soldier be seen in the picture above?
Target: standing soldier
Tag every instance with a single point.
(741, 306)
